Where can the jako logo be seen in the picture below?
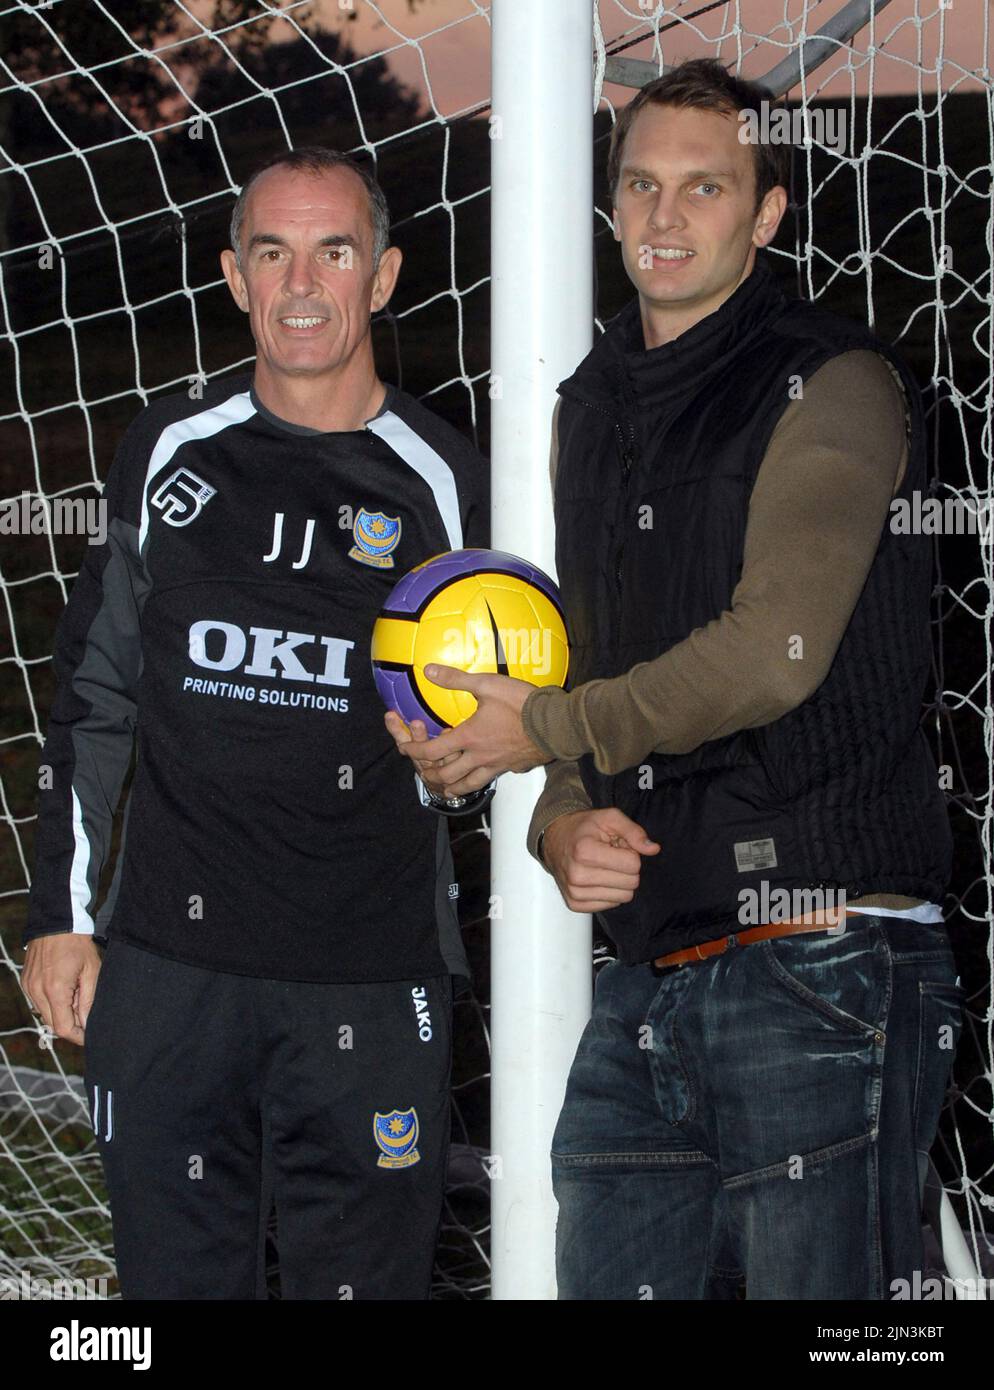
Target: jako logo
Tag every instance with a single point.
(269, 645)
(420, 998)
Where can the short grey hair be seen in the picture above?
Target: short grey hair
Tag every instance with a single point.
(315, 159)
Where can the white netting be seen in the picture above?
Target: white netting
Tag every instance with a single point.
(127, 128)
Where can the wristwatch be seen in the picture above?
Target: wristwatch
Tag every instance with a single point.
(456, 805)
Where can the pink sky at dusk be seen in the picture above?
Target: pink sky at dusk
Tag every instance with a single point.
(457, 57)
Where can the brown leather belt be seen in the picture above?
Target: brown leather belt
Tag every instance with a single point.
(818, 922)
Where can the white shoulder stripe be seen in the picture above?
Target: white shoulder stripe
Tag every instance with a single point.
(420, 456)
(200, 426)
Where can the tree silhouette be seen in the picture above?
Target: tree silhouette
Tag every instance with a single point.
(45, 44)
(78, 75)
(318, 103)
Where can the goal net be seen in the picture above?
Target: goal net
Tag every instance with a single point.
(126, 131)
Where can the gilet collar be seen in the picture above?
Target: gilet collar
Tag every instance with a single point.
(620, 361)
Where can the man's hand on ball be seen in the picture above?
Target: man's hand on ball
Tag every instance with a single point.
(492, 741)
(414, 733)
(596, 858)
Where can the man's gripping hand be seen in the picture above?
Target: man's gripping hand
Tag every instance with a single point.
(59, 978)
(596, 858)
(414, 733)
(492, 741)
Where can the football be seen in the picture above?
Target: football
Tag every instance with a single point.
(479, 610)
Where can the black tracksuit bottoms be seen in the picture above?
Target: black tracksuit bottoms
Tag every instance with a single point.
(215, 1096)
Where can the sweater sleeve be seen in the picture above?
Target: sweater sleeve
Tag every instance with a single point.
(97, 658)
(563, 793)
(819, 503)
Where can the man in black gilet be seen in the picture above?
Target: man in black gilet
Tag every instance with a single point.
(739, 785)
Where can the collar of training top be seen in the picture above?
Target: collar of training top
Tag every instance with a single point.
(292, 428)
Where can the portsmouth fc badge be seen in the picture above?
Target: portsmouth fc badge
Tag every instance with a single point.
(396, 1136)
(376, 537)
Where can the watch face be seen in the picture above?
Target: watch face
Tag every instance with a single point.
(456, 805)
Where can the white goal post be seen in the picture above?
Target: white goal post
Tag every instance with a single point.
(542, 317)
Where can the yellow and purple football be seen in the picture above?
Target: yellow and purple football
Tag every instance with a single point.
(478, 610)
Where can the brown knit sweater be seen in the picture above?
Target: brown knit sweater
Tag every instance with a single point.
(818, 506)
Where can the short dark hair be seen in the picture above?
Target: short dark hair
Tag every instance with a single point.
(704, 83)
(315, 159)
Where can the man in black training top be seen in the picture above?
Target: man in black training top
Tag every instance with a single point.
(272, 1022)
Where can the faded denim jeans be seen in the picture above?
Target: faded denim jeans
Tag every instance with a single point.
(765, 1113)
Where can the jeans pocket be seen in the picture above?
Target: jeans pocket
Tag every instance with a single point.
(940, 1023)
(838, 975)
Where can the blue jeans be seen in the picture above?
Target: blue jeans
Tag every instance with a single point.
(765, 1113)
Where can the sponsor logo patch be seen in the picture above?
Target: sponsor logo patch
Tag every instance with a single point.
(182, 497)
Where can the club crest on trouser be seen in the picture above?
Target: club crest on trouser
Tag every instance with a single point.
(376, 536)
(396, 1135)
